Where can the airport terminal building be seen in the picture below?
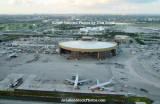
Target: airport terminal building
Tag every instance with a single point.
(96, 49)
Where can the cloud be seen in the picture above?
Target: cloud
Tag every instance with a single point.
(129, 7)
(141, 1)
(21, 2)
(76, 6)
(69, 3)
(74, 3)
(92, 3)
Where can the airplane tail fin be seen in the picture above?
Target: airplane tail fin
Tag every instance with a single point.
(112, 78)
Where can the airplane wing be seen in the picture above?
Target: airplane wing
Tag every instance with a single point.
(83, 81)
(106, 88)
(101, 85)
(69, 80)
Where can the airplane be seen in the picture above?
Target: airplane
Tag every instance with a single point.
(12, 55)
(17, 82)
(76, 81)
(101, 85)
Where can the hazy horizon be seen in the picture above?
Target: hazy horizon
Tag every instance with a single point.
(83, 14)
(79, 7)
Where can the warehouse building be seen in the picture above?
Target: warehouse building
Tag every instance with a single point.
(122, 39)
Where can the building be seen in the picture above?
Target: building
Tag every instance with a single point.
(86, 38)
(122, 39)
(96, 49)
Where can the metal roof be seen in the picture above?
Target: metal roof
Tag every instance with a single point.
(87, 46)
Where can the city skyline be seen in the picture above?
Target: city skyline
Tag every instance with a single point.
(80, 6)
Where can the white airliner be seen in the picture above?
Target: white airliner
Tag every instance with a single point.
(76, 81)
(12, 55)
(101, 85)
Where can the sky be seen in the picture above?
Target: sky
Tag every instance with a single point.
(80, 6)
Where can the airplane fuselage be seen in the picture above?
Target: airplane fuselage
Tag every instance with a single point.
(100, 85)
(76, 82)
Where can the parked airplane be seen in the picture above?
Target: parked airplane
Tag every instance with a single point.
(76, 81)
(17, 82)
(13, 55)
(101, 85)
